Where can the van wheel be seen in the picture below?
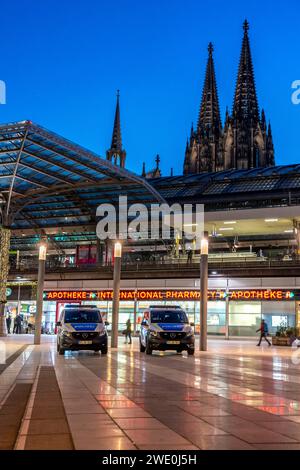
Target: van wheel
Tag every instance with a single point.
(148, 348)
(142, 348)
(104, 350)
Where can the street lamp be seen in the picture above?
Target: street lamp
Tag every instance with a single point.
(203, 291)
(40, 291)
(116, 294)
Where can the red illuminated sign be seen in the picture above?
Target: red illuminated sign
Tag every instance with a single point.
(152, 295)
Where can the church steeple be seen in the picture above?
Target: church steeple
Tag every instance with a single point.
(203, 153)
(209, 115)
(245, 104)
(116, 153)
(245, 141)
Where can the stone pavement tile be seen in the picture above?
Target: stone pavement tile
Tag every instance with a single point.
(75, 408)
(45, 426)
(275, 411)
(168, 447)
(287, 428)
(89, 425)
(257, 434)
(255, 415)
(206, 411)
(111, 443)
(140, 423)
(221, 443)
(295, 419)
(226, 422)
(200, 428)
(48, 412)
(277, 446)
(176, 417)
(128, 413)
(6, 445)
(8, 432)
(103, 432)
(118, 404)
(148, 437)
(49, 442)
(108, 397)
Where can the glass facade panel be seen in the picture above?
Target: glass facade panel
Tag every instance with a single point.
(244, 318)
(279, 314)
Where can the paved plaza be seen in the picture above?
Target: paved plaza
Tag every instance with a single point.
(235, 396)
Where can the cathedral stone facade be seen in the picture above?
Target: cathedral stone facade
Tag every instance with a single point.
(245, 141)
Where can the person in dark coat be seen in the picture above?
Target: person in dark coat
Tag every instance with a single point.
(264, 331)
(18, 324)
(8, 323)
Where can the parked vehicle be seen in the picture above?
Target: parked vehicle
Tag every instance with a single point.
(81, 327)
(166, 328)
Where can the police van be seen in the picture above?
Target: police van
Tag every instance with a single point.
(166, 328)
(81, 327)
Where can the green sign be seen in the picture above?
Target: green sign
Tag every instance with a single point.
(8, 291)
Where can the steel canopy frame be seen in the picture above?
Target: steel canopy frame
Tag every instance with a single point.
(37, 166)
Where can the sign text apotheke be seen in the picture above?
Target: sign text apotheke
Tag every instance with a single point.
(152, 295)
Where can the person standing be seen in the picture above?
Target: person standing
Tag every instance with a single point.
(128, 331)
(18, 324)
(264, 331)
(8, 323)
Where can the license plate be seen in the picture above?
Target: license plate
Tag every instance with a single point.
(173, 342)
(85, 342)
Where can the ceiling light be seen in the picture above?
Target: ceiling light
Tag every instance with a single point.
(225, 228)
(271, 220)
(228, 222)
(289, 231)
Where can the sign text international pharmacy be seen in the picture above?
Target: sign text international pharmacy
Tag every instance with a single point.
(158, 295)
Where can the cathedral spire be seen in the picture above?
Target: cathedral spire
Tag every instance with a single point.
(209, 115)
(116, 153)
(245, 104)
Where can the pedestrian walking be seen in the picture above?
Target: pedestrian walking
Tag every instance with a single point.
(18, 324)
(128, 331)
(8, 323)
(264, 331)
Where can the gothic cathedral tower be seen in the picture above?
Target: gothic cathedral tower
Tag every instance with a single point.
(204, 148)
(246, 141)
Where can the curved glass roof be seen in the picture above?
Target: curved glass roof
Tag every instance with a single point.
(46, 180)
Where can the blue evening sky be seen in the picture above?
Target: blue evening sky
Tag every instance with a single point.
(62, 62)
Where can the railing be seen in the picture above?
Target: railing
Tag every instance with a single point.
(155, 265)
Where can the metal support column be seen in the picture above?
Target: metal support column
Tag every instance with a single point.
(203, 292)
(39, 295)
(116, 295)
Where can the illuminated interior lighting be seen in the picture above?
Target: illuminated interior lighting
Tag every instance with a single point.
(271, 220)
(228, 222)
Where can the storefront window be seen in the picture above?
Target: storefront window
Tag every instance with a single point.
(244, 318)
(216, 318)
(278, 314)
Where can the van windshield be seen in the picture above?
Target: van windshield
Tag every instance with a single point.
(73, 315)
(168, 316)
